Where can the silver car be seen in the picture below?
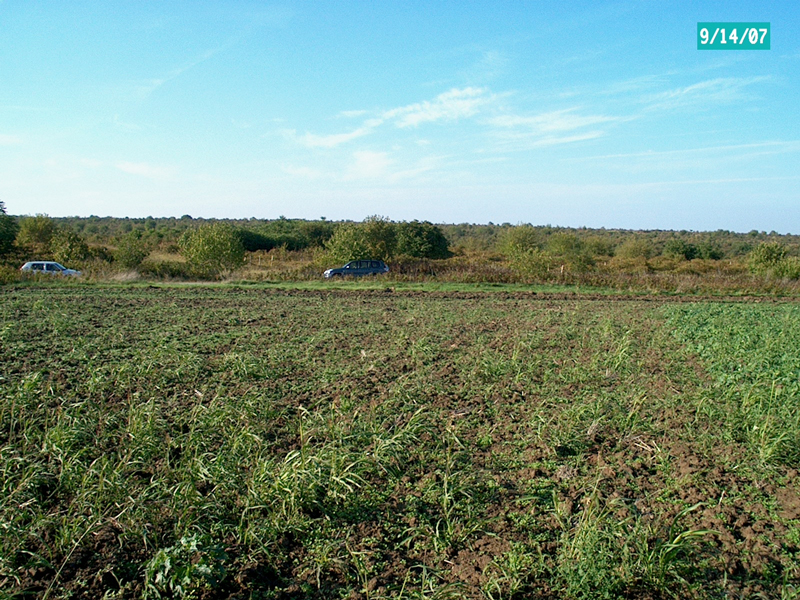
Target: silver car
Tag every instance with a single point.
(49, 267)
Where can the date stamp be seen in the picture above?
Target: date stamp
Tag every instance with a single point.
(733, 36)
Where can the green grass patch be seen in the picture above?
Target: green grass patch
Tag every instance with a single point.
(324, 441)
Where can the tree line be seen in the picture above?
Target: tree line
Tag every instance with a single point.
(212, 247)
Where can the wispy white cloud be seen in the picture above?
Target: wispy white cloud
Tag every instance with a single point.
(448, 106)
(635, 85)
(352, 114)
(23, 108)
(123, 126)
(771, 146)
(714, 181)
(303, 172)
(145, 170)
(144, 88)
(710, 92)
(368, 165)
(567, 139)
(559, 120)
(552, 128)
(489, 65)
(9, 140)
(310, 140)
(424, 165)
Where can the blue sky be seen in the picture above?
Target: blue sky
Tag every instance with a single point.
(598, 114)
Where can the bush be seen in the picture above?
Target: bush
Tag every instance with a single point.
(164, 269)
(9, 275)
(421, 240)
(519, 239)
(531, 264)
(375, 238)
(680, 249)
(570, 250)
(788, 268)
(255, 240)
(765, 257)
(287, 233)
(316, 233)
(131, 251)
(212, 249)
(36, 233)
(634, 248)
(8, 231)
(68, 247)
(599, 246)
(709, 251)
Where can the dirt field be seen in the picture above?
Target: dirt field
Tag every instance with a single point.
(205, 442)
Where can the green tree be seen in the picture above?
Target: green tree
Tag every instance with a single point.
(634, 247)
(678, 248)
(375, 238)
(767, 258)
(531, 264)
(68, 246)
(212, 249)
(570, 250)
(316, 233)
(8, 230)
(709, 251)
(131, 251)
(421, 240)
(349, 242)
(36, 232)
(520, 239)
(599, 246)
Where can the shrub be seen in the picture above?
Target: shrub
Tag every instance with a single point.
(9, 275)
(67, 246)
(709, 251)
(634, 248)
(36, 233)
(570, 250)
(519, 239)
(166, 269)
(131, 251)
(421, 240)
(375, 238)
(8, 231)
(680, 249)
(599, 246)
(788, 268)
(316, 233)
(212, 249)
(531, 264)
(764, 257)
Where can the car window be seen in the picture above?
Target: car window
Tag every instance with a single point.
(37, 267)
(350, 266)
(374, 264)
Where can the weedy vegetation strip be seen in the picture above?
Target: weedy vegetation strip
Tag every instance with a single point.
(219, 442)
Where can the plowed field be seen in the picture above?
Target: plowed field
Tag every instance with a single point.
(248, 443)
